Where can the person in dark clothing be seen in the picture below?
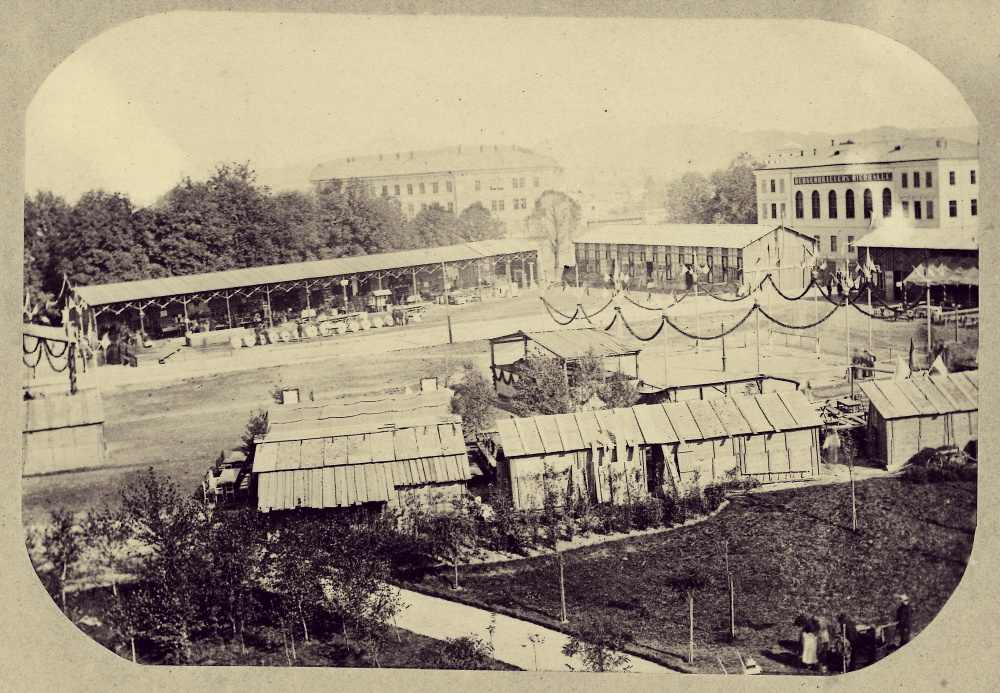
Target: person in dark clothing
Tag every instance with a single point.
(904, 619)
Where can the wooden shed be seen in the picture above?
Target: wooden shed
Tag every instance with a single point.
(63, 432)
(906, 416)
(341, 464)
(616, 454)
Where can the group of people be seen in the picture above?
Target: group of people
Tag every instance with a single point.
(866, 360)
(842, 645)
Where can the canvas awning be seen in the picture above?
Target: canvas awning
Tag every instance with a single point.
(945, 270)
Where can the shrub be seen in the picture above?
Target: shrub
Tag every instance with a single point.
(714, 495)
(604, 516)
(647, 512)
(467, 652)
(671, 510)
(936, 465)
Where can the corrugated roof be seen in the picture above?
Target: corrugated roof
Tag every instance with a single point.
(923, 396)
(656, 424)
(143, 289)
(574, 344)
(63, 411)
(429, 161)
(915, 149)
(903, 236)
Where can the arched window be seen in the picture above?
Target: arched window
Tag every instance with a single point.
(868, 203)
(849, 204)
(831, 203)
(886, 203)
(798, 205)
(815, 204)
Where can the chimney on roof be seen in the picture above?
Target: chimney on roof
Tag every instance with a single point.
(814, 151)
(831, 142)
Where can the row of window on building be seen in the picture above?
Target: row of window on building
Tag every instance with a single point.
(411, 208)
(778, 185)
(922, 209)
(516, 203)
(665, 260)
(435, 188)
(833, 244)
(515, 183)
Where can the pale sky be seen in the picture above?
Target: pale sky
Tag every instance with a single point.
(153, 100)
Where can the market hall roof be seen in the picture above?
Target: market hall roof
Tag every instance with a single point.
(933, 395)
(682, 235)
(429, 161)
(571, 344)
(688, 421)
(880, 152)
(144, 289)
(900, 236)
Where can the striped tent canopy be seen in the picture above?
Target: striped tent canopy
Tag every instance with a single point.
(945, 271)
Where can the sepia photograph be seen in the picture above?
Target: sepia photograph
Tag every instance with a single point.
(508, 343)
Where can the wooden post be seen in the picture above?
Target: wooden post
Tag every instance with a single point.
(562, 588)
(847, 332)
(229, 313)
(957, 341)
(576, 273)
(666, 352)
(854, 503)
(723, 347)
(869, 318)
(414, 273)
(307, 297)
(184, 304)
(378, 277)
(756, 319)
(493, 365)
(142, 324)
(816, 314)
(928, 321)
(270, 313)
(697, 314)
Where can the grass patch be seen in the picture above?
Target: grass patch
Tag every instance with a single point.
(790, 551)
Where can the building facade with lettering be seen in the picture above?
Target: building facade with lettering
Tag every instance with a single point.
(507, 180)
(838, 193)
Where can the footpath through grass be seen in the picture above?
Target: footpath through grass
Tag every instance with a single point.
(790, 551)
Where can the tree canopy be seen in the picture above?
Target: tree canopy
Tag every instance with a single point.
(227, 221)
(726, 196)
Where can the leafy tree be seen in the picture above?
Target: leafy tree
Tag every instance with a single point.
(734, 200)
(256, 425)
(551, 499)
(434, 226)
(292, 222)
(541, 388)
(63, 544)
(469, 652)
(236, 545)
(690, 199)
(476, 223)
(600, 646)
(474, 401)
(294, 566)
(587, 379)
(689, 581)
(46, 224)
(451, 533)
(351, 222)
(619, 391)
(556, 217)
(170, 525)
(129, 616)
(105, 535)
(104, 245)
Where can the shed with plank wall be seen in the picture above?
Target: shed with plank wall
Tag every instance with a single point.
(618, 455)
(906, 416)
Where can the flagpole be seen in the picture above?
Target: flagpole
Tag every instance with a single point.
(869, 317)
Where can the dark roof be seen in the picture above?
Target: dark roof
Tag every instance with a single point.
(443, 160)
(682, 235)
(120, 292)
(947, 393)
(572, 344)
(659, 424)
(883, 152)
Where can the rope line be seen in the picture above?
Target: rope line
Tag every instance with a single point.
(729, 330)
(656, 332)
(789, 326)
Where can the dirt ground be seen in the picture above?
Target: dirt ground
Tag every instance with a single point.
(178, 416)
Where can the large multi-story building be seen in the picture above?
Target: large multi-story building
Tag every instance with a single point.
(838, 194)
(507, 180)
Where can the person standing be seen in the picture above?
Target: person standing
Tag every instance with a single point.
(832, 446)
(904, 619)
(810, 643)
